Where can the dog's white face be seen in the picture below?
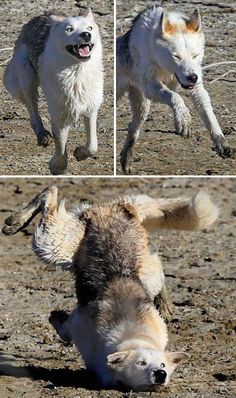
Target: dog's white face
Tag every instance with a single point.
(78, 36)
(179, 48)
(144, 369)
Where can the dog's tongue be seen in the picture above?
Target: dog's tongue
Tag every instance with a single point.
(84, 51)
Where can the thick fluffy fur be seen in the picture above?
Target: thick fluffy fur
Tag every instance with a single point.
(161, 51)
(47, 53)
(116, 327)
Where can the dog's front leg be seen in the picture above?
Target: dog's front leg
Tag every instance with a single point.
(202, 101)
(158, 92)
(91, 146)
(58, 163)
(163, 304)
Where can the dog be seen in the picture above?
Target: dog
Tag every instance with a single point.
(116, 326)
(162, 51)
(64, 55)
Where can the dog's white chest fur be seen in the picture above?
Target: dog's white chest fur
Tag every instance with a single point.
(71, 89)
(77, 88)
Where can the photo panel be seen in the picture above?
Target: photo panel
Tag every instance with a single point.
(72, 60)
(176, 96)
(107, 258)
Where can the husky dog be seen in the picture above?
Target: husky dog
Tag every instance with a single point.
(64, 55)
(162, 51)
(116, 327)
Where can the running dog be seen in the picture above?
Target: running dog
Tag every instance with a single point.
(162, 51)
(64, 55)
(116, 327)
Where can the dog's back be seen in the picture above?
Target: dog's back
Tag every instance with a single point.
(34, 35)
(28, 47)
(113, 246)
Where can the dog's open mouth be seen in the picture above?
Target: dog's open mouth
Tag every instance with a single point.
(81, 50)
(186, 86)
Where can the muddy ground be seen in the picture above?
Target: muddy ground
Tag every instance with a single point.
(159, 151)
(200, 275)
(19, 153)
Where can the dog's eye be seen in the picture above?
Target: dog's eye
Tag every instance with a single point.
(142, 363)
(69, 28)
(176, 56)
(162, 365)
(195, 56)
(89, 28)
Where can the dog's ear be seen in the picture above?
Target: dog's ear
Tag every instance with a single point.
(164, 26)
(194, 22)
(174, 358)
(86, 12)
(57, 18)
(118, 359)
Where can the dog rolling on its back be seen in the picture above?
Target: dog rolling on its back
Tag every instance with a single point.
(64, 55)
(116, 327)
(161, 51)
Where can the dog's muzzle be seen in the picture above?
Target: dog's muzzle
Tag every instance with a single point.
(82, 50)
(192, 78)
(159, 376)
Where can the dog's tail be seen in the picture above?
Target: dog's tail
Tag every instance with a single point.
(190, 214)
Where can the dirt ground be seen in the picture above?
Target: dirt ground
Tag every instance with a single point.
(159, 151)
(19, 153)
(200, 275)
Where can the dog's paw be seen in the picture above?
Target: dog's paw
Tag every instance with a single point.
(126, 160)
(12, 225)
(82, 153)
(58, 165)
(183, 122)
(225, 151)
(45, 139)
(58, 320)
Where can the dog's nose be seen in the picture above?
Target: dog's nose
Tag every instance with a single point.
(160, 376)
(86, 36)
(193, 78)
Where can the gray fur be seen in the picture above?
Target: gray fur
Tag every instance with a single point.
(34, 34)
(123, 48)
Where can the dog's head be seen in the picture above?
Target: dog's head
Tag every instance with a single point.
(144, 369)
(78, 36)
(179, 47)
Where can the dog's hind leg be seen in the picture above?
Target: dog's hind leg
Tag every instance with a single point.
(47, 199)
(22, 82)
(91, 147)
(140, 109)
(202, 101)
(59, 233)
